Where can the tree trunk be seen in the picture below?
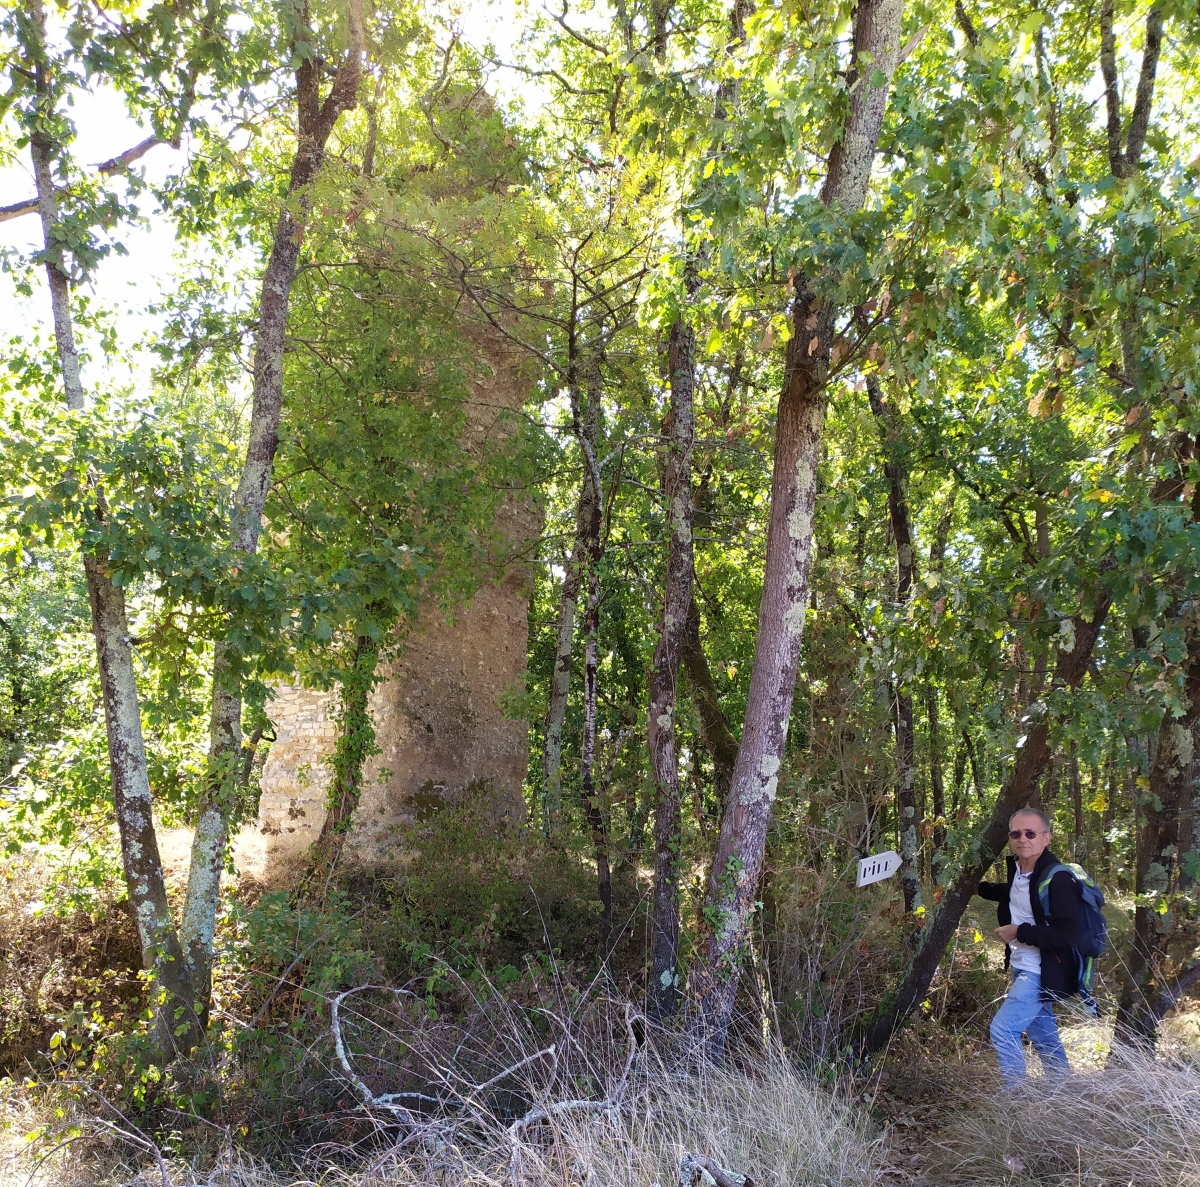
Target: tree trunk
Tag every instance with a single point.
(719, 740)
(741, 845)
(1076, 805)
(592, 810)
(937, 557)
(1189, 835)
(906, 800)
(936, 777)
(587, 526)
(1032, 755)
(176, 1027)
(679, 432)
(315, 121)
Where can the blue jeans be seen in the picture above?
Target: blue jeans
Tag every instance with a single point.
(1023, 1012)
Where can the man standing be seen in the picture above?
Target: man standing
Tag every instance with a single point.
(1040, 949)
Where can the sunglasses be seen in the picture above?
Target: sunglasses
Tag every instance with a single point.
(1027, 833)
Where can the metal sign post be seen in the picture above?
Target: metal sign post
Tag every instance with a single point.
(877, 867)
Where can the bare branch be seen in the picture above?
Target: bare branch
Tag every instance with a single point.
(117, 164)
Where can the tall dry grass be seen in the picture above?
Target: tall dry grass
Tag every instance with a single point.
(764, 1120)
(1133, 1122)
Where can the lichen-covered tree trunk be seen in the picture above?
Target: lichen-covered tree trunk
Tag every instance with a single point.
(1032, 755)
(679, 432)
(316, 119)
(737, 864)
(906, 799)
(176, 1023)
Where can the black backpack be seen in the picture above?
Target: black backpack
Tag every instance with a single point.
(1095, 927)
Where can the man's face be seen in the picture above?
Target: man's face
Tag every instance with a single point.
(1028, 848)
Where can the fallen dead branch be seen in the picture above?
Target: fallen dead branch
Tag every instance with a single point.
(697, 1171)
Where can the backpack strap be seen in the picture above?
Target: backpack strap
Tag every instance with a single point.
(1044, 885)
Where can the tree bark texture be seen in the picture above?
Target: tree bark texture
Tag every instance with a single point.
(741, 844)
(316, 119)
(1032, 755)
(176, 1026)
(906, 799)
(678, 438)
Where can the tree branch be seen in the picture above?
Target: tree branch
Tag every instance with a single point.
(117, 164)
(1139, 122)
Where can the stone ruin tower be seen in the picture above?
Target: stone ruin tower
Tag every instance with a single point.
(440, 728)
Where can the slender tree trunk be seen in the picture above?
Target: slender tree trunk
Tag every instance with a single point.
(1189, 835)
(592, 811)
(960, 774)
(588, 512)
(906, 800)
(936, 776)
(1032, 755)
(937, 557)
(1076, 804)
(719, 740)
(177, 1029)
(741, 844)
(316, 119)
(355, 744)
(586, 423)
(679, 432)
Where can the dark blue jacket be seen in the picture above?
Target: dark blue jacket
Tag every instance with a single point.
(1054, 937)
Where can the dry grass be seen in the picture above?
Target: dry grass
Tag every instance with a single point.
(767, 1120)
(1135, 1121)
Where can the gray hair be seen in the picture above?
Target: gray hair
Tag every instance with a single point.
(1029, 811)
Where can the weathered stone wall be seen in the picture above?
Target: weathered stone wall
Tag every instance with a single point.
(438, 721)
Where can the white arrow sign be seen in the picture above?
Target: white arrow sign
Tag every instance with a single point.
(878, 867)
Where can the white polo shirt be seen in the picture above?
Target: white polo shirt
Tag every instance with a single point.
(1022, 956)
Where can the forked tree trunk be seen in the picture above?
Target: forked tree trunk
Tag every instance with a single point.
(679, 433)
(906, 799)
(737, 864)
(316, 119)
(177, 1028)
(1032, 755)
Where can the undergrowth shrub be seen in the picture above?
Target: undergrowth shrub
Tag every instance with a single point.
(68, 974)
(478, 894)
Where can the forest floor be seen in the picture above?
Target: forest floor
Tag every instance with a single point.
(931, 1116)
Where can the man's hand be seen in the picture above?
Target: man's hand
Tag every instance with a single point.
(1007, 933)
